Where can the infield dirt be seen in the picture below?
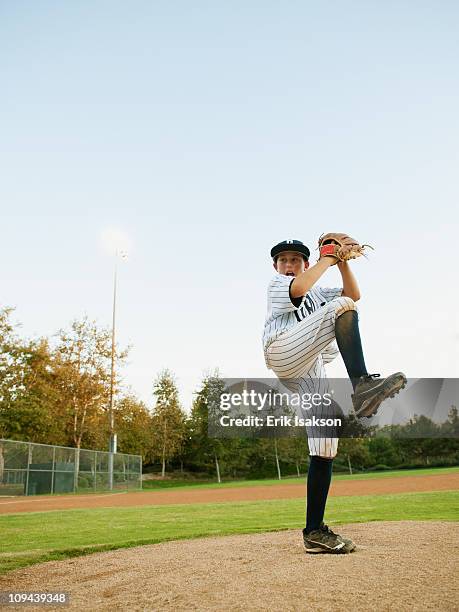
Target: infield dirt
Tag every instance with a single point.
(370, 486)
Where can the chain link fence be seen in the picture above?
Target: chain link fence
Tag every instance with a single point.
(27, 468)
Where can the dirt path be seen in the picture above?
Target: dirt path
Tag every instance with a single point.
(397, 566)
(371, 486)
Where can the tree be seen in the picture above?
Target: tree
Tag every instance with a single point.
(168, 419)
(295, 449)
(208, 453)
(356, 452)
(450, 436)
(450, 428)
(26, 387)
(81, 365)
(383, 451)
(134, 426)
(11, 359)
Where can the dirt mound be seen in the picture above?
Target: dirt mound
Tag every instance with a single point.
(397, 566)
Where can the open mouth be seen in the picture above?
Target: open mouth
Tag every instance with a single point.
(289, 274)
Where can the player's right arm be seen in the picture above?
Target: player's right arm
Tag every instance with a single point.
(307, 279)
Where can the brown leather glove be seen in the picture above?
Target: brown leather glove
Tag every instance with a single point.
(340, 246)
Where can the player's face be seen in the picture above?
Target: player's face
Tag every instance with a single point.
(291, 263)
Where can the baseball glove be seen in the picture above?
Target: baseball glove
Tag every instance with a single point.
(340, 246)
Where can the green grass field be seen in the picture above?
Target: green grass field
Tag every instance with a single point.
(149, 485)
(42, 536)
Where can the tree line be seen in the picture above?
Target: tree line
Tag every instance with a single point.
(57, 390)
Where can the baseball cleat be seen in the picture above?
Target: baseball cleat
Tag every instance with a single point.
(349, 545)
(324, 540)
(371, 391)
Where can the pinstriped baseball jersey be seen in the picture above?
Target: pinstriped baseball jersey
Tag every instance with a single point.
(285, 312)
(298, 355)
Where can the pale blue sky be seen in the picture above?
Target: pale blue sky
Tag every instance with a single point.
(209, 131)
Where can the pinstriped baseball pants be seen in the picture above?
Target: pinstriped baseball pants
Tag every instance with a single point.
(300, 354)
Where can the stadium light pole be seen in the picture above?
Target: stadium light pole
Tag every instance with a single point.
(113, 437)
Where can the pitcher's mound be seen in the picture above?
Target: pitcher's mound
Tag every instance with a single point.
(397, 566)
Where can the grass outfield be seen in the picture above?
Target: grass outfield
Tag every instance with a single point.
(43, 536)
(149, 485)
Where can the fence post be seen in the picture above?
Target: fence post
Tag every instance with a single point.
(52, 470)
(28, 464)
(95, 471)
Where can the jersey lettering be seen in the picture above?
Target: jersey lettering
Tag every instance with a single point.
(307, 307)
(309, 304)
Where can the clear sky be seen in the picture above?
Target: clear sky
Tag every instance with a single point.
(208, 131)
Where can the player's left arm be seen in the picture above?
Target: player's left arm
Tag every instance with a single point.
(350, 285)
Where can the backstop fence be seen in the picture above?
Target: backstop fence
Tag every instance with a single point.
(27, 468)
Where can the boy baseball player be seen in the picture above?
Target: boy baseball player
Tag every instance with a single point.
(306, 326)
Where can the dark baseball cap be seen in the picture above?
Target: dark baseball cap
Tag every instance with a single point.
(290, 245)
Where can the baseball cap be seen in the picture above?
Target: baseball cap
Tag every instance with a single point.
(290, 245)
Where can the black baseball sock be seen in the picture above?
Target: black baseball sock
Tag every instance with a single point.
(350, 346)
(319, 477)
